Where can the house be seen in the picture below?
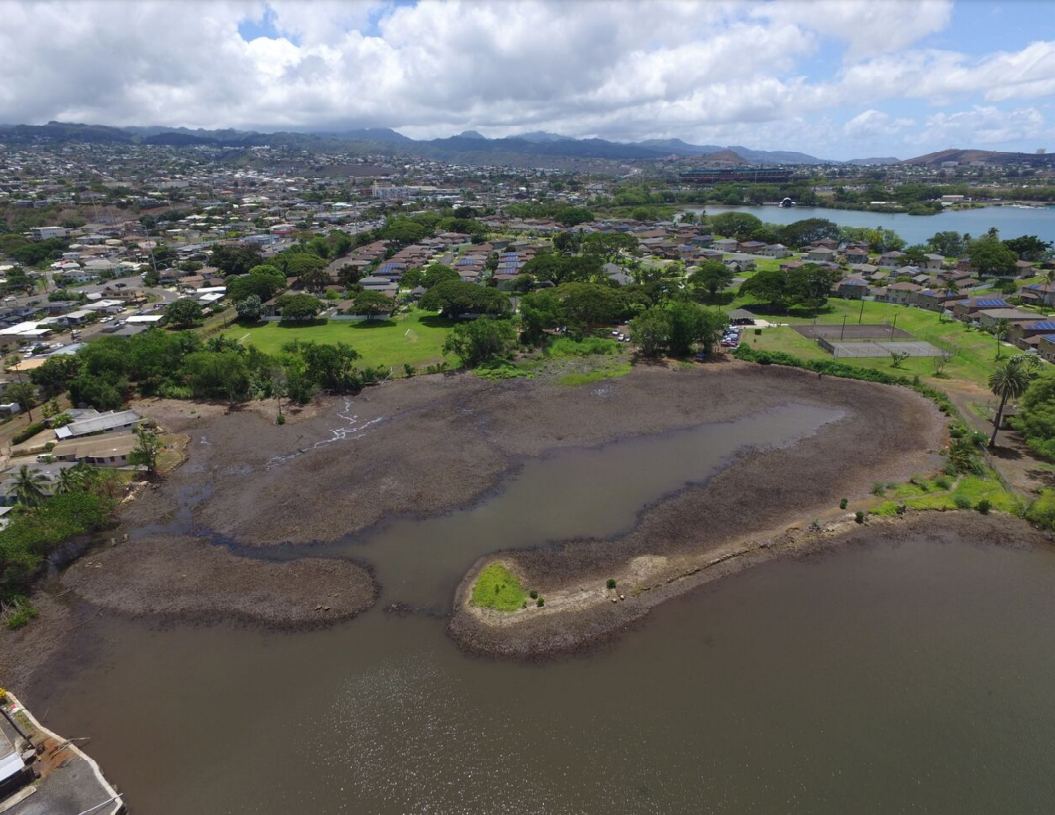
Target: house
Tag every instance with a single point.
(1023, 331)
(751, 247)
(775, 250)
(867, 271)
(110, 450)
(856, 255)
(852, 288)
(821, 253)
(891, 260)
(933, 262)
(92, 422)
(1024, 268)
(79, 317)
(935, 299)
(1038, 294)
(1046, 347)
(966, 310)
(902, 294)
(791, 265)
(991, 317)
(741, 316)
(727, 245)
(617, 274)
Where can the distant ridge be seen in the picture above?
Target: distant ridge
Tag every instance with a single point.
(988, 156)
(533, 148)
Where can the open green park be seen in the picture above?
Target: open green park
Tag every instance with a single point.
(415, 338)
(974, 350)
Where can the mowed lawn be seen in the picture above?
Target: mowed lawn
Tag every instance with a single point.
(975, 350)
(408, 339)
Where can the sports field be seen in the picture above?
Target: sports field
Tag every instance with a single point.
(409, 339)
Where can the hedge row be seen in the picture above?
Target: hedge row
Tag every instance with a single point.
(833, 367)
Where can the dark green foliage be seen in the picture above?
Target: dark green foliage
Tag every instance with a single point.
(263, 281)
(983, 506)
(737, 225)
(843, 503)
(34, 533)
(184, 313)
(235, 260)
(455, 298)
(540, 602)
(859, 517)
(298, 307)
(533, 594)
(481, 340)
(808, 231)
(28, 432)
(611, 583)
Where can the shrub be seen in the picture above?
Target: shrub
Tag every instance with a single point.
(409, 369)
(859, 517)
(533, 594)
(281, 419)
(540, 602)
(22, 614)
(843, 503)
(961, 501)
(611, 583)
(942, 483)
(879, 488)
(1042, 511)
(28, 433)
(983, 506)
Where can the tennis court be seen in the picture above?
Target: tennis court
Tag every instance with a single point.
(850, 333)
(874, 348)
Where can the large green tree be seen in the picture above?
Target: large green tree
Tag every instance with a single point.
(184, 313)
(989, 256)
(481, 340)
(712, 276)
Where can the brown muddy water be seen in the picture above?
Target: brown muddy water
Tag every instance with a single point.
(908, 678)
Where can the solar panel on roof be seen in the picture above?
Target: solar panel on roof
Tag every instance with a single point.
(1045, 325)
(991, 303)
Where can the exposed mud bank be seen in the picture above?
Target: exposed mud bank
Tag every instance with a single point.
(580, 617)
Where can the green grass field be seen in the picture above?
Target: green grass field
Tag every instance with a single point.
(497, 587)
(413, 339)
(974, 360)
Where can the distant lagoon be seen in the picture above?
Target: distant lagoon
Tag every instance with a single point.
(1011, 221)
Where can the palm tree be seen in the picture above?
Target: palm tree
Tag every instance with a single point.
(1049, 276)
(29, 486)
(1000, 331)
(1009, 381)
(70, 479)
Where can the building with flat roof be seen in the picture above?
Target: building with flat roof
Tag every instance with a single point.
(98, 423)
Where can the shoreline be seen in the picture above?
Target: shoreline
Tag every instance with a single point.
(447, 443)
(577, 620)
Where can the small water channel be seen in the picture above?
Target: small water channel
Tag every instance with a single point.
(911, 678)
(574, 493)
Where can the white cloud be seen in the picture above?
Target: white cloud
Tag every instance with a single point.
(874, 123)
(720, 71)
(982, 126)
(870, 28)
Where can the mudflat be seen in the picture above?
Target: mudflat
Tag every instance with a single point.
(427, 445)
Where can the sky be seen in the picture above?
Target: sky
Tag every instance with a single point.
(838, 79)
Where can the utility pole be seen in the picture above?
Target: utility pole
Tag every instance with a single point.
(862, 314)
(893, 326)
(842, 332)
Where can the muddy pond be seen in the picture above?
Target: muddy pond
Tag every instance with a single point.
(878, 678)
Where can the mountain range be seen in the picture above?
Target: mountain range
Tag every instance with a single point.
(469, 146)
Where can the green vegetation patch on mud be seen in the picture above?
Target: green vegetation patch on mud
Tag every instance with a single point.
(497, 587)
